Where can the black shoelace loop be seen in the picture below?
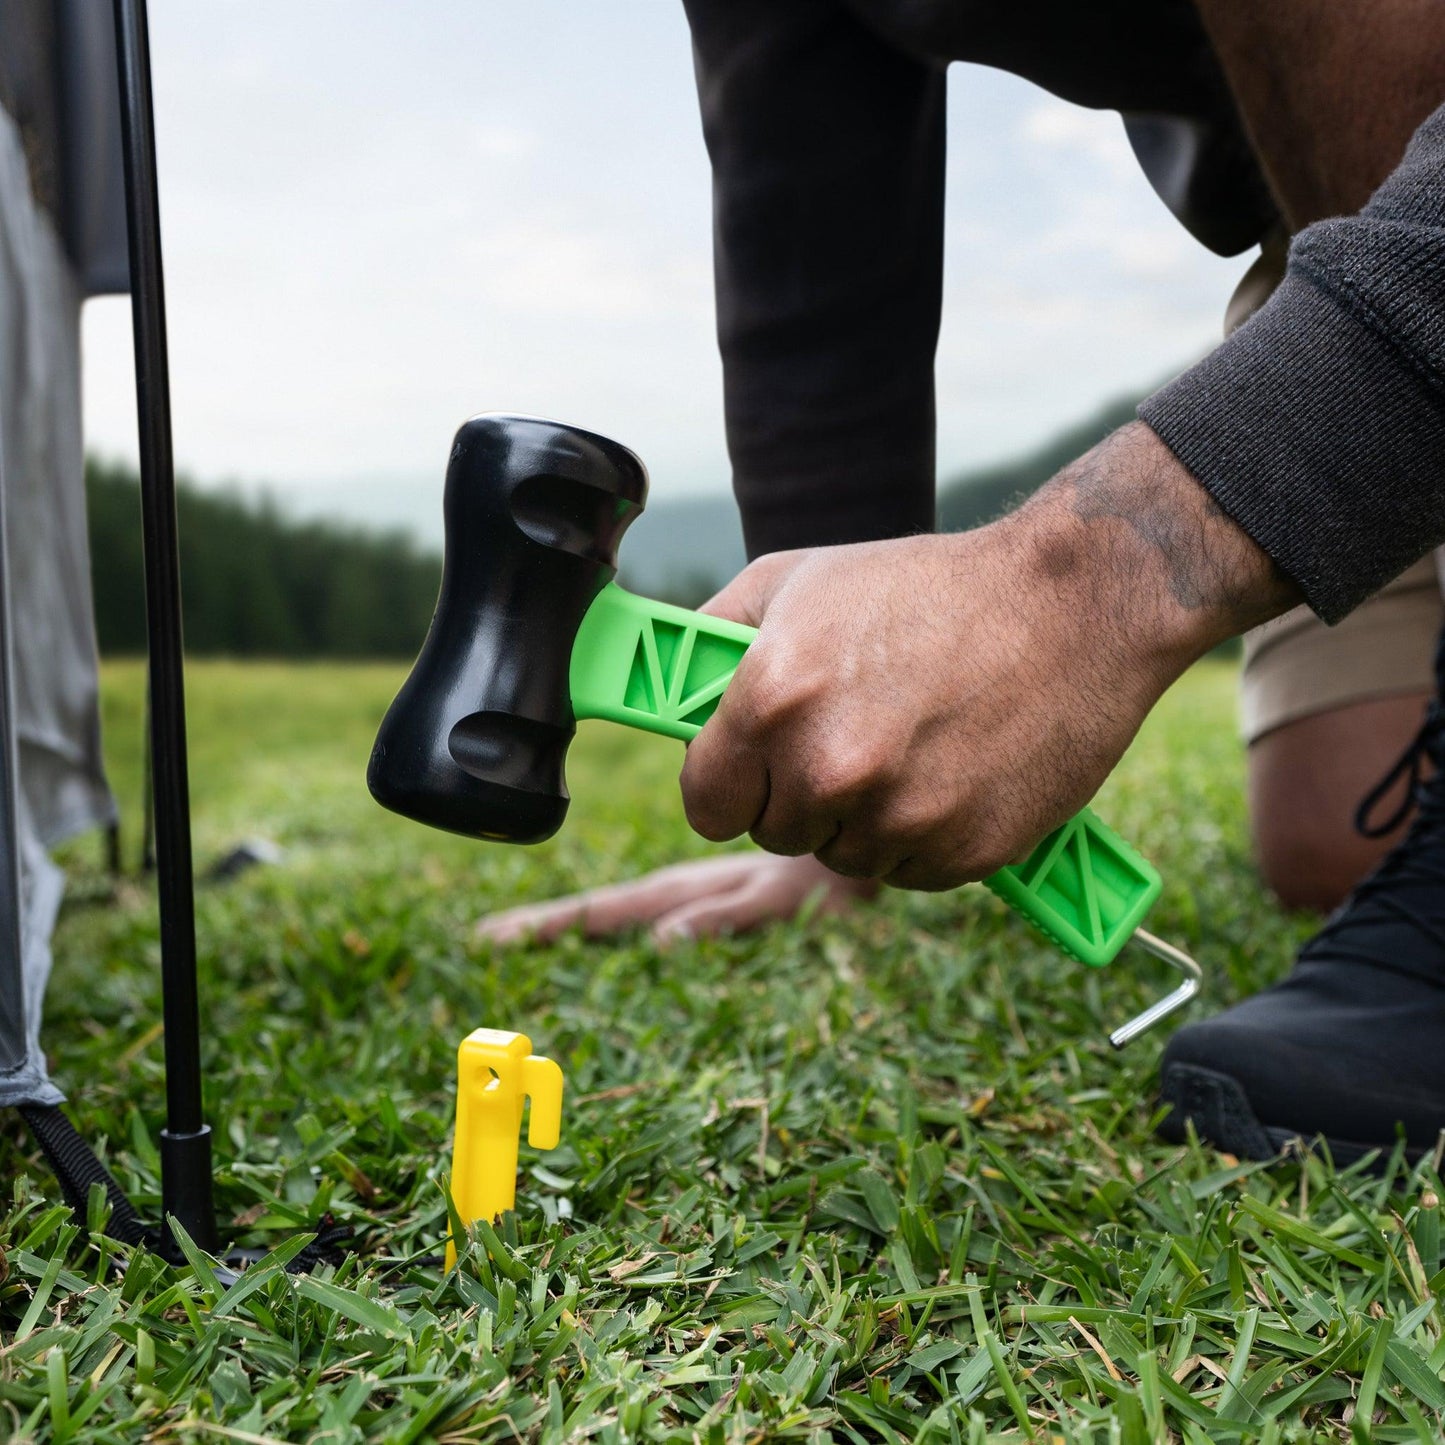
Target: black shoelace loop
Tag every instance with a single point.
(1408, 768)
(1417, 859)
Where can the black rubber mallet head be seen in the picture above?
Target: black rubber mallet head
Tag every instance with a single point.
(476, 739)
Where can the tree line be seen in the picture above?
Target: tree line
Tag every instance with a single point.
(255, 582)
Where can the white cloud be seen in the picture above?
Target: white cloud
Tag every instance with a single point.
(533, 269)
(499, 141)
(1145, 250)
(1069, 132)
(1071, 284)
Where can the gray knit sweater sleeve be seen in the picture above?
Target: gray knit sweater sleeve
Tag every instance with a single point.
(1319, 426)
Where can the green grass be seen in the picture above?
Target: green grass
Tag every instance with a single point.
(873, 1179)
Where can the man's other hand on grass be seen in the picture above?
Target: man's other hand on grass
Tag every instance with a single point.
(734, 894)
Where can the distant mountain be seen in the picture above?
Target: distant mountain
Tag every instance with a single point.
(684, 549)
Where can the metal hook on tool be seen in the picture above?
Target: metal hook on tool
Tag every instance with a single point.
(1171, 1003)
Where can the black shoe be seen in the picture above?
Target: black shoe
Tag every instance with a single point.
(1350, 1048)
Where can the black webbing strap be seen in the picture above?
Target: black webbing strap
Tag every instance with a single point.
(77, 1168)
(329, 1247)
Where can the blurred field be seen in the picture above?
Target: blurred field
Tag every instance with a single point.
(875, 1179)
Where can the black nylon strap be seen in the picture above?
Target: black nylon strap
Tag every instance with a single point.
(77, 1168)
(330, 1246)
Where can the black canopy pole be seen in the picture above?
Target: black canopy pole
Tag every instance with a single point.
(12, 953)
(186, 1139)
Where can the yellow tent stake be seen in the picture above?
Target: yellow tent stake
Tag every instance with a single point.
(497, 1072)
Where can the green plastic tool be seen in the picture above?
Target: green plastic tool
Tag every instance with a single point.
(664, 669)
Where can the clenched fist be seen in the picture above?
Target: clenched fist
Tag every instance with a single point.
(924, 710)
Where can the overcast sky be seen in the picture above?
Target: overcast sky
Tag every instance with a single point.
(379, 219)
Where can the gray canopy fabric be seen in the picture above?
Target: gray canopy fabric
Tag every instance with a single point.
(52, 703)
(58, 83)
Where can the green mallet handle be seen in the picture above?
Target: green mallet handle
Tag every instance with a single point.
(664, 669)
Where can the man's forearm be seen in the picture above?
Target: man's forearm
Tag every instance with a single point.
(1153, 549)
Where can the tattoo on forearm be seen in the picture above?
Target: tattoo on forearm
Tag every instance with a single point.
(1208, 562)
